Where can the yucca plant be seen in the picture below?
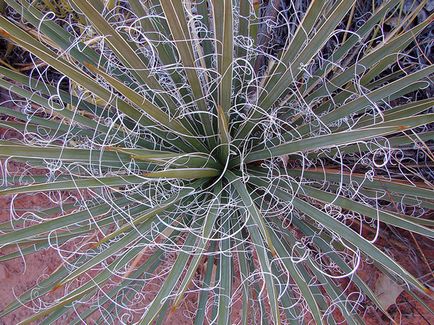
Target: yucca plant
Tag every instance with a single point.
(226, 150)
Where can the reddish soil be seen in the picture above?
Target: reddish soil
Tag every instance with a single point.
(21, 274)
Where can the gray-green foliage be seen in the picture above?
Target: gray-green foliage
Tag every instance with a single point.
(181, 137)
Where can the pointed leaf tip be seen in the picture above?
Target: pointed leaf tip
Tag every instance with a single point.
(95, 245)
(4, 34)
(90, 66)
(56, 287)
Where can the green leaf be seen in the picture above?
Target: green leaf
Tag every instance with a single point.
(184, 42)
(243, 266)
(404, 222)
(254, 213)
(354, 41)
(43, 287)
(294, 272)
(374, 96)
(75, 184)
(26, 41)
(92, 213)
(226, 273)
(124, 50)
(293, 269)
(391, 45)
(143, 272)
(359, 180)
(288, 71)
(222, 13)
(348, 234)
(332, 253)
(166, 205)
(339, 138)
(193, 159)
(87, 287)
(94, 156)
(265, 265)
(170, 281)
(257, 220)
(203, 295)
(207, 227)
(223, 127)
(184, 173)
(155, 112)
(139, 234)
(337, 295)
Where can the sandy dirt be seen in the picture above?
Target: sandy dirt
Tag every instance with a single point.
(20, 274)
